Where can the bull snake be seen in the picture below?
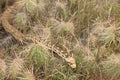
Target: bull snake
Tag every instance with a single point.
(21, 37)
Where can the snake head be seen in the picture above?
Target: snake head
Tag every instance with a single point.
(71, 62)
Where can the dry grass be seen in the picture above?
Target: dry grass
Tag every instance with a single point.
(89, 30)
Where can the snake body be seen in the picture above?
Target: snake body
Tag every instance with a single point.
(6, 16)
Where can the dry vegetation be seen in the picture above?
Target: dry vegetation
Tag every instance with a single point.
(86, 30)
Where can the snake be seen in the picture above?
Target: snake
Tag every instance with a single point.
(17, 5)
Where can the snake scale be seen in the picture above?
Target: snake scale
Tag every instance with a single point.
(19, 4)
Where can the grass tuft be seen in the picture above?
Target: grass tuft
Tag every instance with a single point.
(3, 68)
(15, 67)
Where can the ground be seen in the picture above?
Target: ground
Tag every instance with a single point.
(59, 40)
